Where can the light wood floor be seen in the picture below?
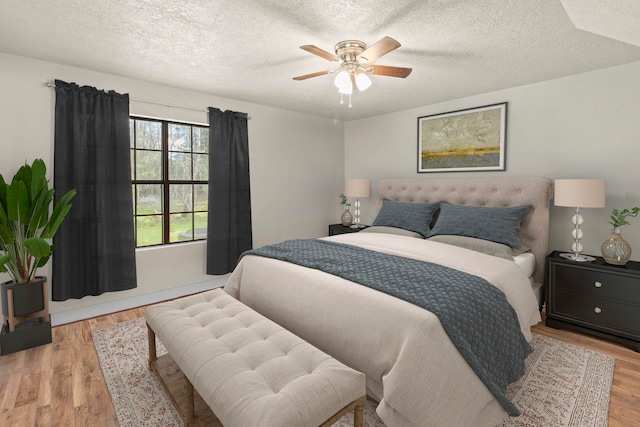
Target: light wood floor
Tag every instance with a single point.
(61, 383)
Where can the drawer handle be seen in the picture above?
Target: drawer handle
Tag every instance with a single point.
(598, 310)
(598, 285)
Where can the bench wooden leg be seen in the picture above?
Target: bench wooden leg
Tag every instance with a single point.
(358, 414)
(190, 409)
(152, 346)
(357, 406)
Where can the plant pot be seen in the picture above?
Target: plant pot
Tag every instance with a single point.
(28, 334)
(27, 297)
(616, 250)
(26, 315)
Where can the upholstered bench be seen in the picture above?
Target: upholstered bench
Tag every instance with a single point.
(248, 369)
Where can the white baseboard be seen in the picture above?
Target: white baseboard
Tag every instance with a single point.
(70, 316)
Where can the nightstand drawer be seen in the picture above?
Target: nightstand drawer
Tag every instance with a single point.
(598, 312)
(597, 283)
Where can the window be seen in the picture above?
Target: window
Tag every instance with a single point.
(170, 171)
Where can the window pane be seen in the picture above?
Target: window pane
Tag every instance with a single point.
(148, 135)
(200, 140)
(179, 138)
(148, 165)
(180, 227)
(200, 221)
(149, 230)
(180, 166)
(149, 200)
(133, 168)
(180, 198)
(133, 196)
(131, 133)
(201, 167)
(200, 197)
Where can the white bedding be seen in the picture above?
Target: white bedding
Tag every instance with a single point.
(526, 262)
(412, 367)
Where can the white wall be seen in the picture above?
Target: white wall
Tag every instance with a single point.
(582, 126)
(296, 163)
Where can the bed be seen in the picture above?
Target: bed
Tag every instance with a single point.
(413, 368)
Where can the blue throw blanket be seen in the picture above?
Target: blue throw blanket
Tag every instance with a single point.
(475, 314)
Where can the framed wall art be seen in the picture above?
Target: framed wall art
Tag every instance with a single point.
(473, 139)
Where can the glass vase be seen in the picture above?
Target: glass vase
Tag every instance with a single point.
(616, 250)
(346, 217)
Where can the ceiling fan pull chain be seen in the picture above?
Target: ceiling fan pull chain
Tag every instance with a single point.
(349, 100)
(341, 100)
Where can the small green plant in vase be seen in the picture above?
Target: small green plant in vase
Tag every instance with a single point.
(346, 218)
(616, 250)
(619, 218)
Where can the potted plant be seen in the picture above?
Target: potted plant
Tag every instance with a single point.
(27, 228)
(346, 218)
(616, 250)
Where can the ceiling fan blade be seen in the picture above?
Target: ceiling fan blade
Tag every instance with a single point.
(379, 48)
(308, 76)
(320, 52)
(383, 70)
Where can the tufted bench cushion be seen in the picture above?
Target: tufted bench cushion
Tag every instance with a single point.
(248, 369)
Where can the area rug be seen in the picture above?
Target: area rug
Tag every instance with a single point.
(564, 385)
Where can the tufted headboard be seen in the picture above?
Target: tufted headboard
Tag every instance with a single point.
(507, 191)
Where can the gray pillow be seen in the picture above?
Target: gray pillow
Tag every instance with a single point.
(391, 230)
(500, 225)
(415, 217)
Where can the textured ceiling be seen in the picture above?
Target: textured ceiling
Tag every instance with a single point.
(249, 49)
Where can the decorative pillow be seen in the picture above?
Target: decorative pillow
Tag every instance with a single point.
(500, 225)
(415, 217)
(478, 245)
(391, 230)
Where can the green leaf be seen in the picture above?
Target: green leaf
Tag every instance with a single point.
(40, 211)
(60, 211)
(24, 175)
(6, 235)
(18, 202)
(38, 177)
(37, 247)
(3, 215)
(43, 261)
(3, 260)
(3, 193)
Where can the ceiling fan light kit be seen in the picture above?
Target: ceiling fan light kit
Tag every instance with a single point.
(356, 61)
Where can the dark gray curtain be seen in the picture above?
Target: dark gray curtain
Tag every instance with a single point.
(229, 221)
(95, 246)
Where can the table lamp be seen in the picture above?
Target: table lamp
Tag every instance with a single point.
(579, 193)
(357, 188)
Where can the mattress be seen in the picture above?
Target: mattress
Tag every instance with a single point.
(526, 262)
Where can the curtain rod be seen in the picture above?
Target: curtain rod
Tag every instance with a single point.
(164, 104)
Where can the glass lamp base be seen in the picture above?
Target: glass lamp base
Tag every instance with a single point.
(577, 257)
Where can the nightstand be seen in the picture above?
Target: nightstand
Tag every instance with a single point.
(595, 298)
(342, 229)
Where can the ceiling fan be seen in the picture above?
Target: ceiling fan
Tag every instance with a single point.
(356, 61)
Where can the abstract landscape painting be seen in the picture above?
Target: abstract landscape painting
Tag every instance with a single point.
(465, 140)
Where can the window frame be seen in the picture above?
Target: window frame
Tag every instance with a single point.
(165, 181)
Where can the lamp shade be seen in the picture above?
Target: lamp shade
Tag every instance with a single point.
(362, 81)
(357, 187)
(579, 193)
